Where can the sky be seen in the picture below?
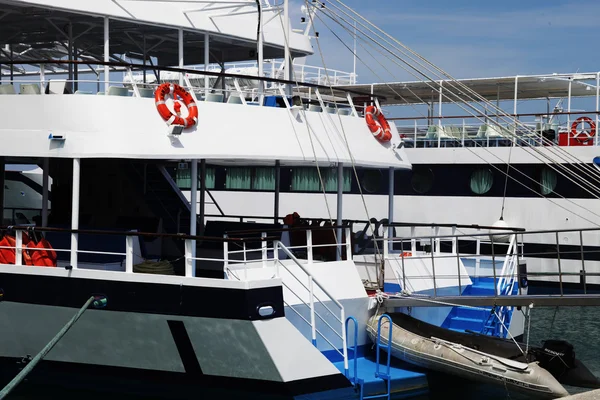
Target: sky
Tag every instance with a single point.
(469, 38)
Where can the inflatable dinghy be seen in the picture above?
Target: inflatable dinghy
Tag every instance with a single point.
(555, 356)
(452, 358)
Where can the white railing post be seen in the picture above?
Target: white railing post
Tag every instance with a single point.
(385, 244)
(348, 244)
(313, 326)
(344, 339)
(413, 242)
(263, 246)
(136, 91)
(276, 257)
(225, 253)
(454, 241)
(43, 79)
(309, 249)
(437, 240)
(478, 253)
(188, 257)
(18, 247)
(129, 254)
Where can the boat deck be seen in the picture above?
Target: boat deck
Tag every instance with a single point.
(406, 383)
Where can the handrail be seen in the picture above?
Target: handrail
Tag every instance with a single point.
(462, 226)
(278, 245)
(181, 236)
(187, 71)
(492, 115)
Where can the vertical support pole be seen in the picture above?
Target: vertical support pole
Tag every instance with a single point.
(313, 326)
(70, 83)
(286, 34)
(45, 190)
(403, 267)
(189, 266)
(413, 242)
(560, 280)
(385, 244)
(18, 247)
(437, 240)
(433, 270)
(144, 55)
(129, 254)
(277, 190)
(340, 194)
(260, 45)
(391, 204)
(583, 262)
(515, 110)
(75, 211)
(494, 266)
(206, 62)
(569, 108)
(194, 211)
(106, 54)
(2, 168)
(12, 66)
(180, 45)
(459, 275)
(454, 241)
(597, 107)
(202, 194)
(440, 116)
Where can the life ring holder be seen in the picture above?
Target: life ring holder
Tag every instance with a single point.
(378, 124)
(177, 93)
(577, 134)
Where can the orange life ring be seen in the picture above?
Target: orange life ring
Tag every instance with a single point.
(583, 135)
(377, 124)
(176, 91)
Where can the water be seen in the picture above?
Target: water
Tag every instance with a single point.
(578, 325)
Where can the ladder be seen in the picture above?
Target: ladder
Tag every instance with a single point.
(385, 376)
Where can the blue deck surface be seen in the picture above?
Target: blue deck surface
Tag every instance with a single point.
(405, 383)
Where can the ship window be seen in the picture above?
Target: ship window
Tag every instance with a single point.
(422, 180)
(238, 178)
(210, 178)
(548, 180)
(307, 180)
(482, 181)
(250, 178)
(264, 179)
(371, 180)
(183, 178)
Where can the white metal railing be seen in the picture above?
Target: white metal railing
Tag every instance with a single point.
(236, 90)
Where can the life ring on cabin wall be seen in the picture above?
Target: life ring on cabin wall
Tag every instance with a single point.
(583, 135)
(177, 93)
(377, 124)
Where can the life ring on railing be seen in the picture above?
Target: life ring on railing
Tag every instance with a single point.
(377, 124)
(583, 135)
(175, 91)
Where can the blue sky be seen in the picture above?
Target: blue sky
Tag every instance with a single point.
(470, 38)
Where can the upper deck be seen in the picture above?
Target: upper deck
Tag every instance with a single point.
(517, 111)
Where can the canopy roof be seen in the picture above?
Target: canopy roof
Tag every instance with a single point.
(39, 29)
(528, 87)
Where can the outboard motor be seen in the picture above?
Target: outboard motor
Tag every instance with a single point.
(558, 358)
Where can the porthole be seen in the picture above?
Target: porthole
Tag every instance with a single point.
(481, 181)
(548, 181)
(371, 180)
(422, 180)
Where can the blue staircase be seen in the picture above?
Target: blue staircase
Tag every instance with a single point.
(461, 318)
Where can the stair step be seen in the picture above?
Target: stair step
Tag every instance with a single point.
(474, 324)
(475, 313)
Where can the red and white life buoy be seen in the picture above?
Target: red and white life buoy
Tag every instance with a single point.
(178, 94)
(583, 135)
(377, 124)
